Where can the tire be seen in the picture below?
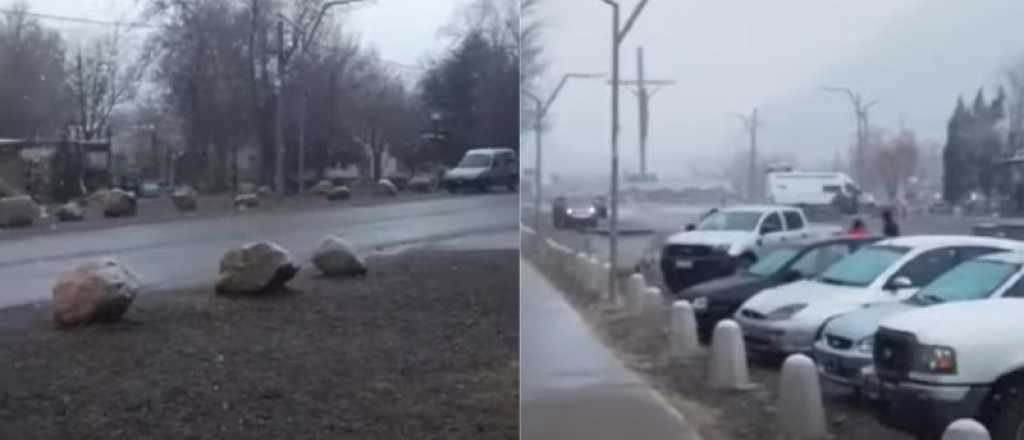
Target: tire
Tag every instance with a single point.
(452, 189)
(1007, 420)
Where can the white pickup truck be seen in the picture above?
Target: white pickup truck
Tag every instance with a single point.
(730, 239)
(950, 361)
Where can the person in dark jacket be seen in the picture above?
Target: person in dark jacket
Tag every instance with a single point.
(889, 226)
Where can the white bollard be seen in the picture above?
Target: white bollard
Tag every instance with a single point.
(966, 429)
(683, 330)
(801, 412)
(606, 271)
(652, 301)
(636, 286)
(581, 269)
(728, 367)
(595, 275)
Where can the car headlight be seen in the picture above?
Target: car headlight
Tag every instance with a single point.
(866, 345)
(700, 303)
(592, 210)
(934, 359)
(785, 312)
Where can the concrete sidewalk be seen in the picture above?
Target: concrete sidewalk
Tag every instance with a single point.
(573, 387)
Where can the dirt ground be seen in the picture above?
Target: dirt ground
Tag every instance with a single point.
(161, 209)
(642, 343)
(424, 347)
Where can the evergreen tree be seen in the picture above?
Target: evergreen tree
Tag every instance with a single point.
(954, 176)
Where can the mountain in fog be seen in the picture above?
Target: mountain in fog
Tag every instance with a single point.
(915, 67)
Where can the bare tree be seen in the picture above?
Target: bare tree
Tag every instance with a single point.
(98, 81)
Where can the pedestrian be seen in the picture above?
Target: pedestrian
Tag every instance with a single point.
(858, 229)
(889, 226)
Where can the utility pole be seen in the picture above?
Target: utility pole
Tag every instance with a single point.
(643, 96)
(750, 124)
(860, 110)
(542, 107)
(618, 34)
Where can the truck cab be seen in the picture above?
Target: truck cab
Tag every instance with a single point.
(731, 239)
(937, 364)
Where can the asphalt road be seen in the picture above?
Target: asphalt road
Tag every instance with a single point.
(573, 387)
(187, 253)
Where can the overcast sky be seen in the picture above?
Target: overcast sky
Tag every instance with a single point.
(402, 31)
(915, 56)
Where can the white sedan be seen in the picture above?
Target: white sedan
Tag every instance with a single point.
(787, 319)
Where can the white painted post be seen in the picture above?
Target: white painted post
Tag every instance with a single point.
(651, 300)
(728, 369)
(966, 429)
(801, 412)
(635, 289)
(683, 330)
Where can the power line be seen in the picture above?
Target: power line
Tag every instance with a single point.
(80, 20)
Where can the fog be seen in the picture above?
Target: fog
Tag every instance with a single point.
(914, 56)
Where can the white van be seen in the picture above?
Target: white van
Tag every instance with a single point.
(809, 188)
(483, 168)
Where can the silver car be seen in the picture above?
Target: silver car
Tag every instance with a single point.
(846, 344)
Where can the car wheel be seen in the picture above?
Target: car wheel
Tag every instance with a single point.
(1007, 422)
(452, 189)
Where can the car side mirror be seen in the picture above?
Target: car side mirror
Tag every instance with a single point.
(900, 282)
(691, 227)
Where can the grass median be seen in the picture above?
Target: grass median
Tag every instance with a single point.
(425, 346)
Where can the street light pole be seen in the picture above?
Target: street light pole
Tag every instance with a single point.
(751, 124)
(618, 34)
(542, 107)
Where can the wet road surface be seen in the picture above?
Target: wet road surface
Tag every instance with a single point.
(187, 253)
(572, 386)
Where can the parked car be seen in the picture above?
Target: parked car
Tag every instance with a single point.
(484, 168)
(730, 239)
(934, 365)
(719, 299)
(845, 346)
(788, 319)
(149, 189)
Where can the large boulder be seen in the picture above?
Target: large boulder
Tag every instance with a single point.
(339, 193)
(70, 212)
(96, 291)
(246, 187)
(17, 211)
(256, 268)
(422, 183)
(321, 188)
(335, 257)
(185, 198)
(119, 203)
(386, 188)
(246, 201)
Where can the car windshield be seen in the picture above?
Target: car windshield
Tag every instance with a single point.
(974, 279)
(475, 161)
(772, 263)
(730, 221)
(862, 267)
